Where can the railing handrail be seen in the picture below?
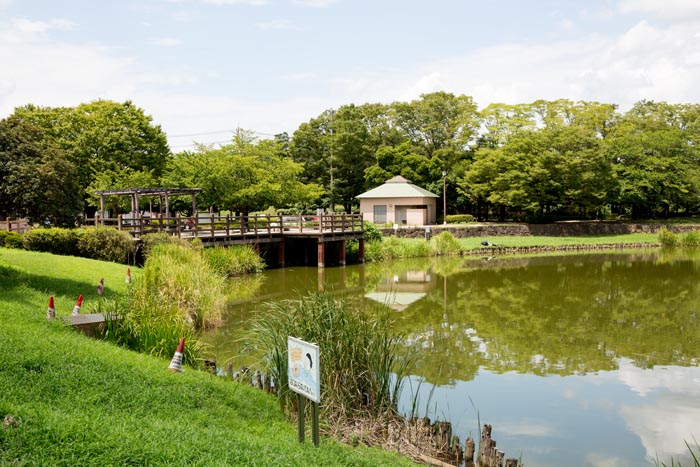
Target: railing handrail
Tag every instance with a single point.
(210, 224)
(20, 225)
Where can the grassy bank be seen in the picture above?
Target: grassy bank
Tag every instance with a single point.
(78, 401)
(444, 244)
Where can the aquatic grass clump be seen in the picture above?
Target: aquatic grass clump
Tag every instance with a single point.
(176, 296)
(234, 260)
(178, 280)
(667, 238)
(691, 239)
(362, 363)
(445, 244)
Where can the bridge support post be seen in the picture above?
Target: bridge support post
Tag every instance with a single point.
(321, 254)
(341, 253)
(361, 251)
(281, 253)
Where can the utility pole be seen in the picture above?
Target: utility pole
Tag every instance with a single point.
(444, 197)
(332, 197)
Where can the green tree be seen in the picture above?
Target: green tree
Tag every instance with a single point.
(102, 136)
(655, 158)
(36, 178)
(246, 175)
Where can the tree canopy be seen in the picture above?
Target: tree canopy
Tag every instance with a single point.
(537, 161)
(246, 175)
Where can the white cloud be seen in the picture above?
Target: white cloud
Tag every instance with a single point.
(644, 62)
(236, 2)
(674, 378)
(667, 9)
(57, 73)
(513, 428)
(601, 460)
(25, 26)
(166, 41)
(671, 412)
(314, 3)
(278, 25)
(663, 427)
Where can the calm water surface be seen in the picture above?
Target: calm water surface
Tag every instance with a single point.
(581, 360)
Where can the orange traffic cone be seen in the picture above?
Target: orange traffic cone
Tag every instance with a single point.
(176, 362)
(128, 276)
(78, 304)
(101, 286)
(51, 313)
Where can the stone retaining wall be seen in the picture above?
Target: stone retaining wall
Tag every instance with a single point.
(562, 229)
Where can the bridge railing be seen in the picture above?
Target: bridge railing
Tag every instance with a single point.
(15, 225)
(213, 225)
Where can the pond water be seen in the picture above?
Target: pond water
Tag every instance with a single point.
(576, 360)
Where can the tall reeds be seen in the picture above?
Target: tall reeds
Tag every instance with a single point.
(234, 260)
(176, 295)
(362, 363)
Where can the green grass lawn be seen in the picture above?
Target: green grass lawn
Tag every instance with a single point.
(85, 402)
(542, 241)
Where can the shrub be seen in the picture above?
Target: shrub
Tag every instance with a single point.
(56, 240)
(11, 239)
(177, 295)
(106, 244)
(149, 241)
(459, 218)
(372, 232)
(362, 365)
(178, 281)
(691, 239)
(667, 238)
(445, 244)
(234, 260)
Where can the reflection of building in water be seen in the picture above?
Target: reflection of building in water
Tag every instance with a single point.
(398, 292)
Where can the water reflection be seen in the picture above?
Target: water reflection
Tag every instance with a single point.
(576, 360)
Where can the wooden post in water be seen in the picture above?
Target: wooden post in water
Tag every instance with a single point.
(469, 448)
(341, 254)
(321, 254)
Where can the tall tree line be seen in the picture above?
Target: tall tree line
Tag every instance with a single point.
(538, 161)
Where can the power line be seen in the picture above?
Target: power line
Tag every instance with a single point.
(205, 133)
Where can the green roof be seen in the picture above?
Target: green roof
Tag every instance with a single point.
(397, 187)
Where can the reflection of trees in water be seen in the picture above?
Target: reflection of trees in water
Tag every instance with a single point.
(558, 315)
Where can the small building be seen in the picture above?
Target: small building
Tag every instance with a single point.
(398, 201)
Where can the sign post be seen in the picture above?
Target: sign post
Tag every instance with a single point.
(304, 375)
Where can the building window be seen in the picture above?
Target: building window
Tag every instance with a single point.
(380, 214)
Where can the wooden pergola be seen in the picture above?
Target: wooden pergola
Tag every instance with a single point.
(161, 193)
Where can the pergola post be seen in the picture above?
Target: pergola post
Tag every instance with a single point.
(102, 209)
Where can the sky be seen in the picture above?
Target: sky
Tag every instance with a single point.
(203, 68)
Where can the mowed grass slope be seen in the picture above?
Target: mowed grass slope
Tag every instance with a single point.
(84, 402)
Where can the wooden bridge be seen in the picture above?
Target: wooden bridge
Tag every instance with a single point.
(297, 239)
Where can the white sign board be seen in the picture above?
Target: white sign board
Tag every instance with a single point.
(303, 368)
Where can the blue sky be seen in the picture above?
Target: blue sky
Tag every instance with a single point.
(210, 66)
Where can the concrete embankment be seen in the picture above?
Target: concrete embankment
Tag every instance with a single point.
(559, 229)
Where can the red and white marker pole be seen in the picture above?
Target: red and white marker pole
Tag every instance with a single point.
(128, 276)
(78, 304)
(176, 362)
(51, 313)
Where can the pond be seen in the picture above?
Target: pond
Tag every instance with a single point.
(578, 360)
